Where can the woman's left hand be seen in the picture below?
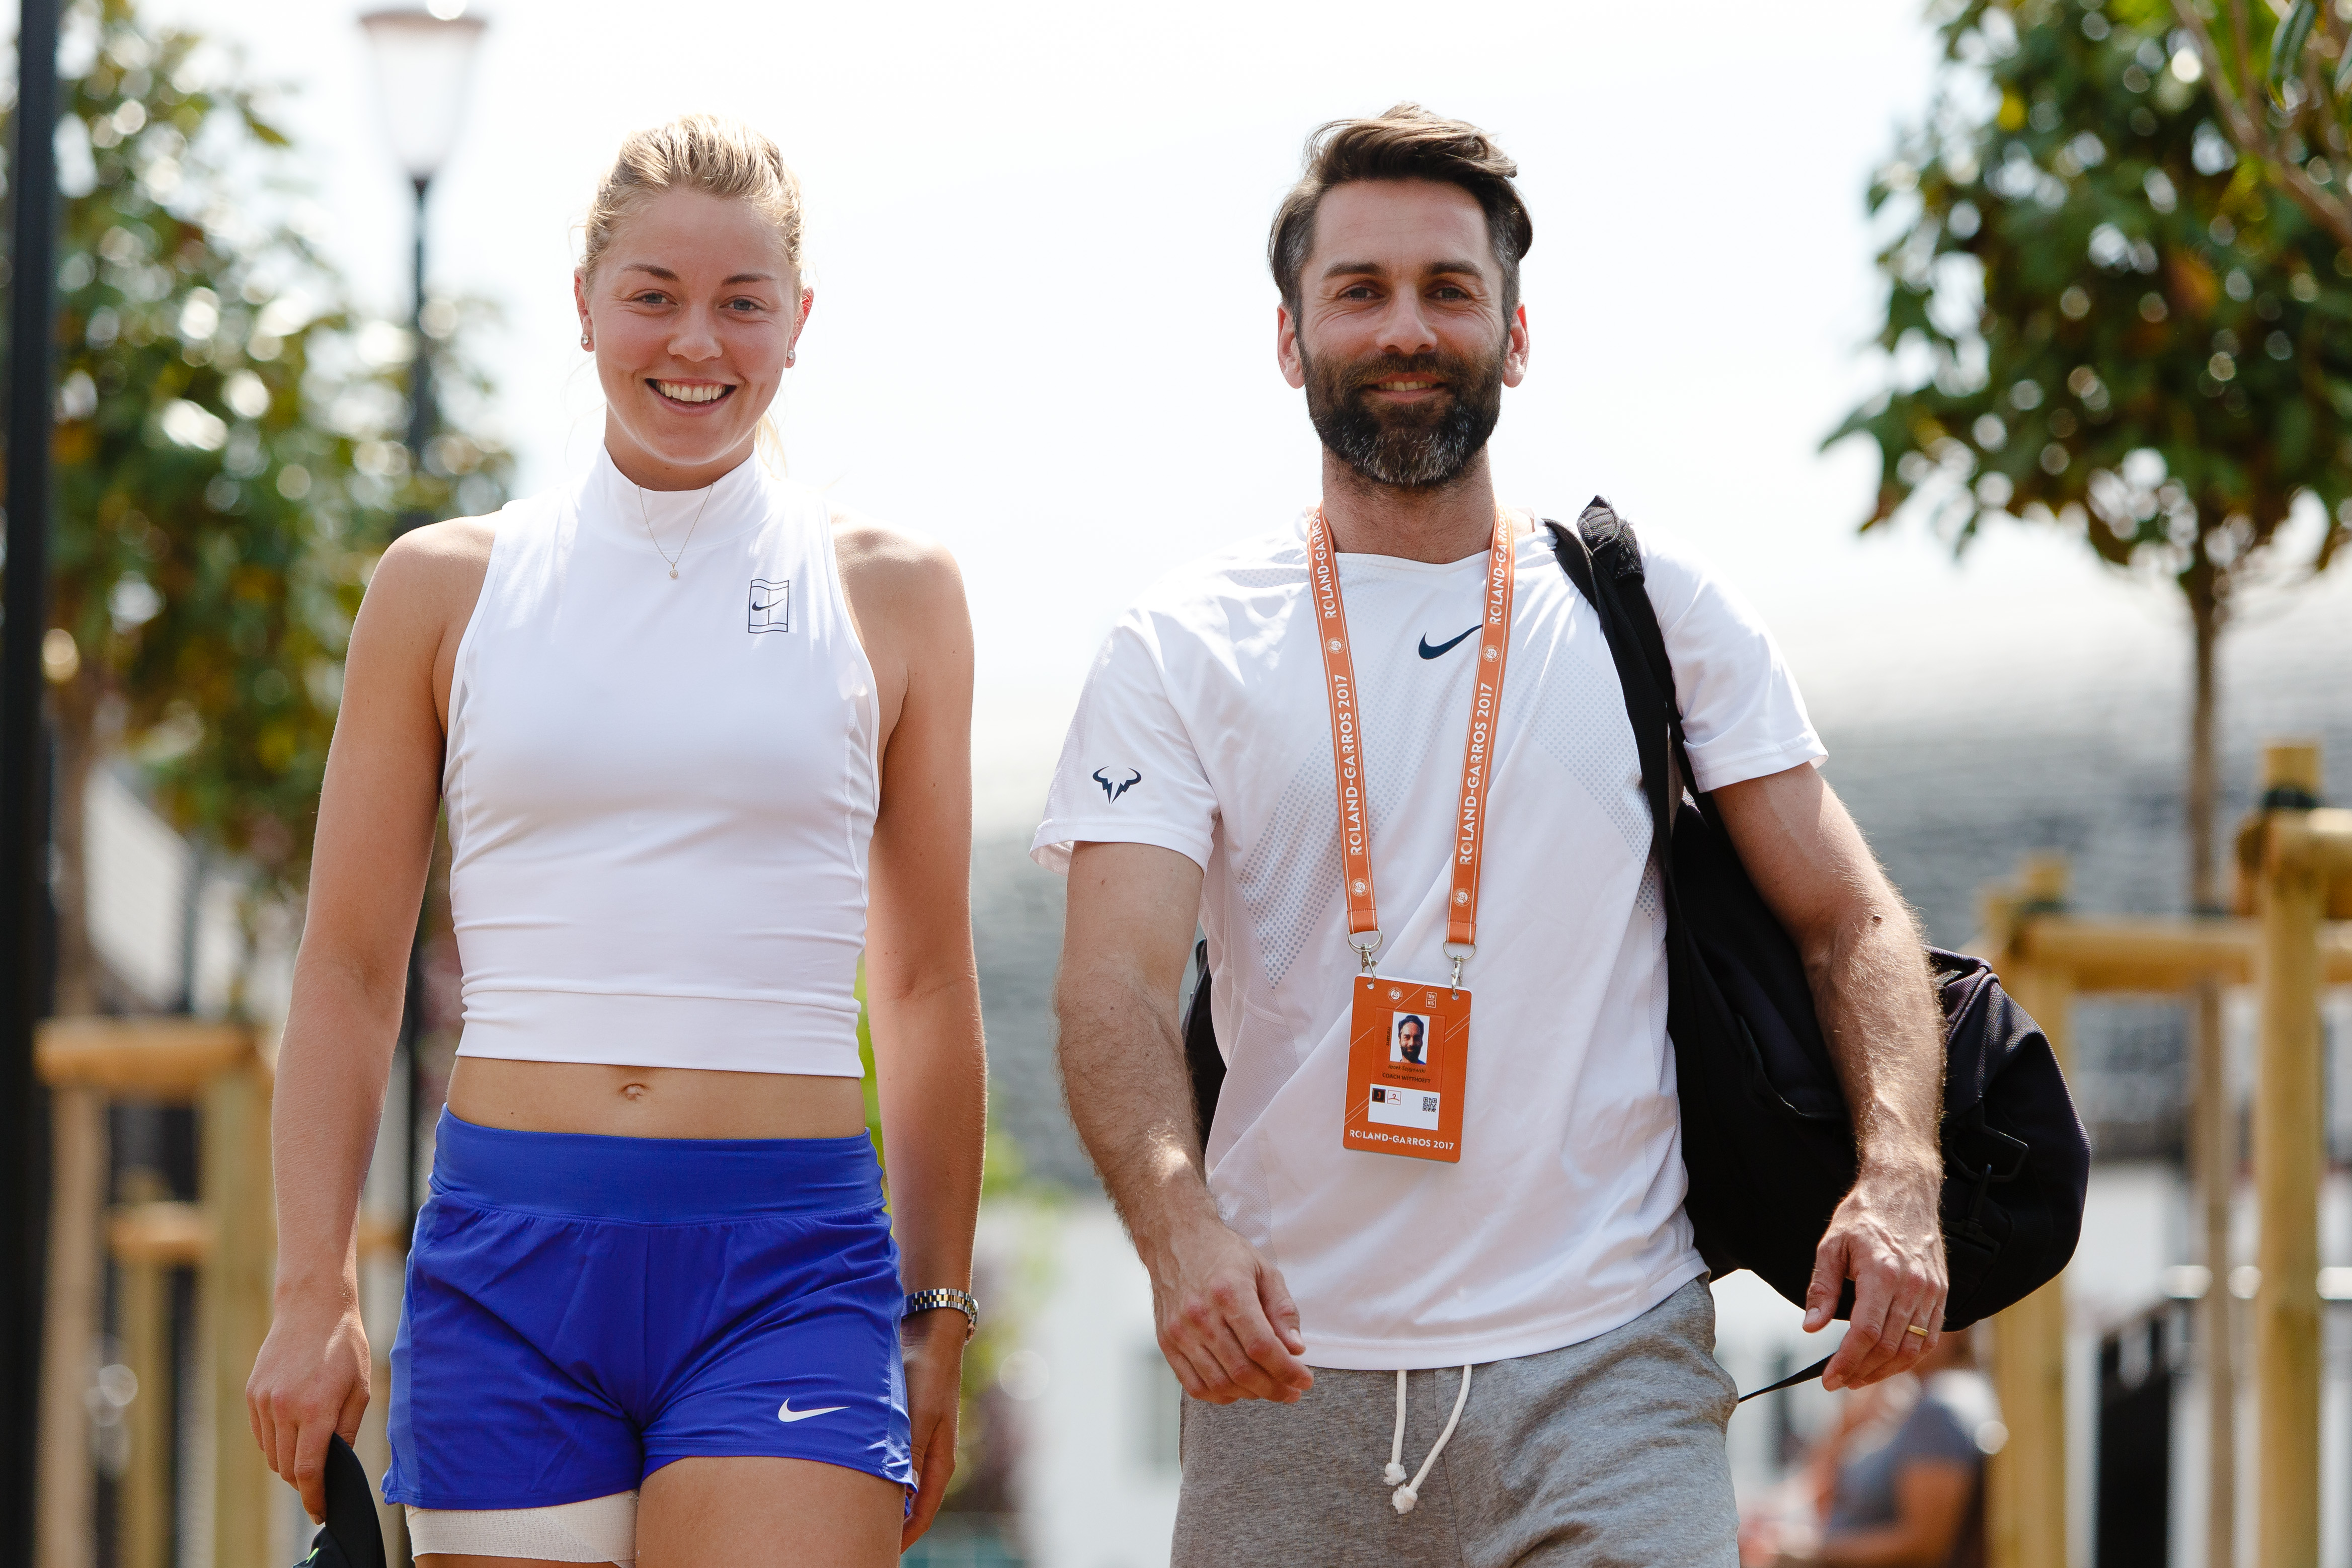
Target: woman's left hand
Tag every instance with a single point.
(933, 1344)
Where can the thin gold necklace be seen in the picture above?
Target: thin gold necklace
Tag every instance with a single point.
(667, 558)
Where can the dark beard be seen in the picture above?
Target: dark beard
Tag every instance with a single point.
(1423, 447)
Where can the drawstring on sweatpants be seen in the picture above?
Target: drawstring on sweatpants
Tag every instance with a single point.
(1408, 1493)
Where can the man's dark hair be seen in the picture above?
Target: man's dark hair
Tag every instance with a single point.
(1408, 143)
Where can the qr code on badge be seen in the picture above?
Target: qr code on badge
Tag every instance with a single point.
(1394, 1107)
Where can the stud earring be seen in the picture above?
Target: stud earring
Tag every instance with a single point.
(583, 340)
(790, 355)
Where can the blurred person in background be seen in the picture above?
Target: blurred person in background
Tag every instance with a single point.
(1351, 1249)
(702, 742)
(1897, 1482)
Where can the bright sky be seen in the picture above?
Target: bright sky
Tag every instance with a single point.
(1043, 330)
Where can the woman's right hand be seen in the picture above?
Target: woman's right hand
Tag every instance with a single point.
(310, 1381)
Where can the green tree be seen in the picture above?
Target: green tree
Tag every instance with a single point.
(2102, 319)
(227, 467)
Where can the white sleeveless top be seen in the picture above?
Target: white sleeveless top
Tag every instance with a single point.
(661, 791)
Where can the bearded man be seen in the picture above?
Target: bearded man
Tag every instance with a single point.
(1476, 1265)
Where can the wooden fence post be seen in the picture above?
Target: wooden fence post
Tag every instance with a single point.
(2026, 1481)
(2290, 1154)
(149, 1240)
(65, 1506)
(235, 1150)
(180, 1061)
(2214, 1172)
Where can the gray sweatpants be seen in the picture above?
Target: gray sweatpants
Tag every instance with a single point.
(1602, 1454)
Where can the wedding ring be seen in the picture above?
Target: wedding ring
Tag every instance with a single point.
(1916, 1328)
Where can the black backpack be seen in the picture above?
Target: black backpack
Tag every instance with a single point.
(350, 1538)
(1767, 1140)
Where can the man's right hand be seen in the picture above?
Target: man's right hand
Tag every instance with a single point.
(1227, 1324)
(310, 1383)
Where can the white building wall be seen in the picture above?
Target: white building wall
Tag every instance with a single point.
(1098, 1471)
(138, 869)
(139, 908)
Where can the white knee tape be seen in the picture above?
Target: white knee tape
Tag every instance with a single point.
(601, 1529)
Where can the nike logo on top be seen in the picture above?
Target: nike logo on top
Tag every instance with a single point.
(1444, 648)
(785, 1412)
(771, 605)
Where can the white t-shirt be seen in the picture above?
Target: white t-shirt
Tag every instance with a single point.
(1204, 729)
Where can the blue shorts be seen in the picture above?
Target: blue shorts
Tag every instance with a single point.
(583, 1310)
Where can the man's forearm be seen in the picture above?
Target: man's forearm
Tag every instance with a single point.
(1885, 1032)
(1131, 1099)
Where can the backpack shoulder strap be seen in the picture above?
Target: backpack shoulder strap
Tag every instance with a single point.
(1618, 555)
(1203, 1062)
(1603, 559)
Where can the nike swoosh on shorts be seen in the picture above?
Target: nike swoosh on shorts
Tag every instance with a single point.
(787, 1414)
(1442, 648)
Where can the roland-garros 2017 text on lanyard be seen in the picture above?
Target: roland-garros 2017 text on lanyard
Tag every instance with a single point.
(1409, 1040)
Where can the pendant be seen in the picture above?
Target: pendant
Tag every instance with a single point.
(673, 574)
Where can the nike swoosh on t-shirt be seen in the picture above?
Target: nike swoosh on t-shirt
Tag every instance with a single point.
(786, 1412)
(1444, 648)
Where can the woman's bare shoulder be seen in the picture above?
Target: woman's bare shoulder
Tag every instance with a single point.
(898, 556)
(432, 575)
(893, 570)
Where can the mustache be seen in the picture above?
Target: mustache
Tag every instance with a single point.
(1448, 368)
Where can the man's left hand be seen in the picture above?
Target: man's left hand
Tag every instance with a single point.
(1886, 1238)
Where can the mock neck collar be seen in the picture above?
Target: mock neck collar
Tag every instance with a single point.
(615, 508)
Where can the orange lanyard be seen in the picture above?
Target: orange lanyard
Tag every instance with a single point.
(1348, 744)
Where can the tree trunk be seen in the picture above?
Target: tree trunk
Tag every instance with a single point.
(2205, 587)
(2212, 1111)
(75, 703)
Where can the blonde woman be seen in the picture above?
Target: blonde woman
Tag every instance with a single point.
(701, 743)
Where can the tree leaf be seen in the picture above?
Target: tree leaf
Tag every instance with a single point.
(2287, 44)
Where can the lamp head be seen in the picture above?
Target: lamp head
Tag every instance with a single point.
(424, 62)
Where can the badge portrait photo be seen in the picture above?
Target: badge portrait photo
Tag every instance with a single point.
(1408, 1039)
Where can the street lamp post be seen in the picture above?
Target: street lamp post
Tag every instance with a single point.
(420, 364)
(24, 767)
(424, 60)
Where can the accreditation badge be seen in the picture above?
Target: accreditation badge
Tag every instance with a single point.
(1408, 1059)
(1409, 1040)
